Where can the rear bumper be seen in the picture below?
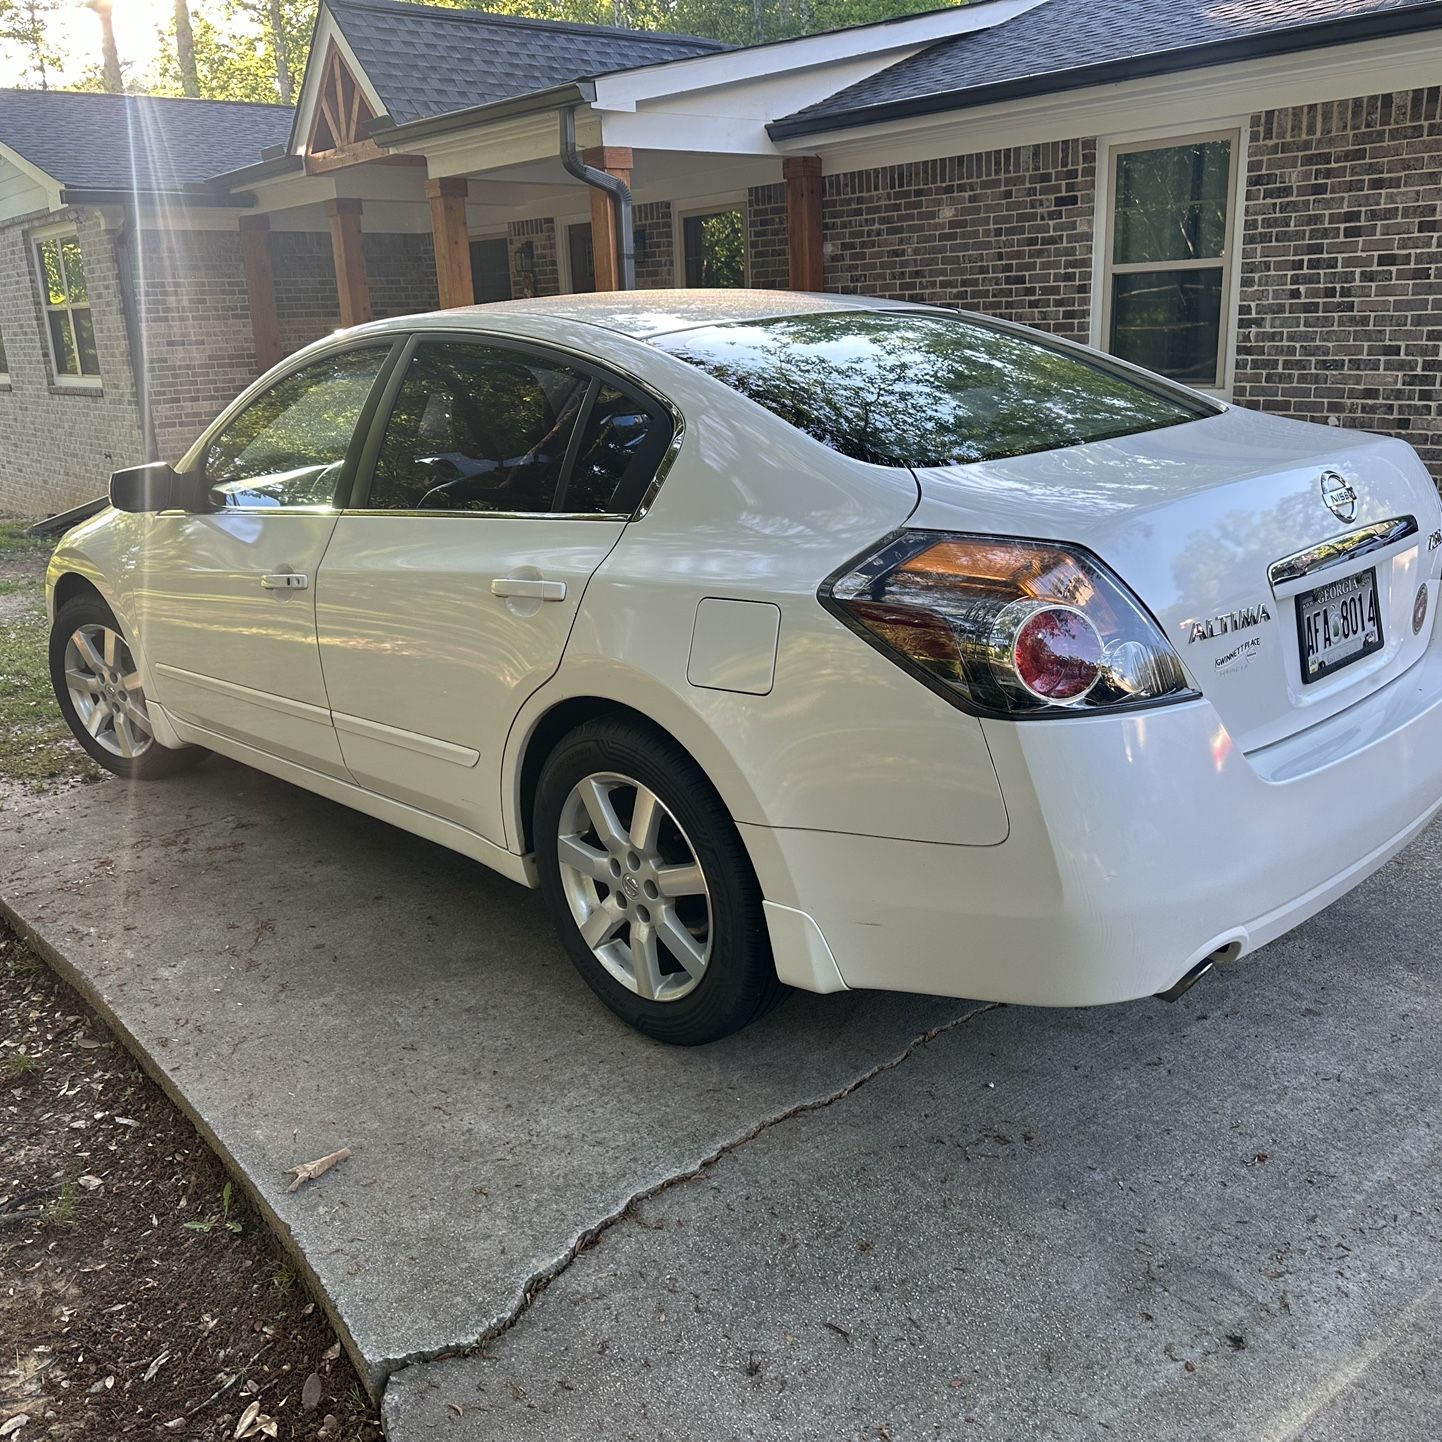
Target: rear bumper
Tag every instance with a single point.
(1138, 846)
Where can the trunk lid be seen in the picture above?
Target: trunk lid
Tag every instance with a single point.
(1195, 517)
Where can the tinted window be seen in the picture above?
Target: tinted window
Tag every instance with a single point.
(287, 447)
(897, 389)
(620, 449)
(477, 428)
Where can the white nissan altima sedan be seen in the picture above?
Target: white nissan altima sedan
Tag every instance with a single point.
(791, 640)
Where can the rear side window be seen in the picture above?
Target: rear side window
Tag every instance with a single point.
(899, 388)
(620, 449)
(478, 428)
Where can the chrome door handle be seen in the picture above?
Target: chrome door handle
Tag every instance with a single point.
(532, 589)
(285, 581)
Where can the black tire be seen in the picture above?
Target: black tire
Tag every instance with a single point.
(739, 982)
(154, 760)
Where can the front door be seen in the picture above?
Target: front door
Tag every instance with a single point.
(500, 482)
(226, 605)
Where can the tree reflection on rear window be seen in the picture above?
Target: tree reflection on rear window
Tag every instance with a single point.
(899, 388)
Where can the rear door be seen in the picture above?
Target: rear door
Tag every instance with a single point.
(497, 479)
(225, 601)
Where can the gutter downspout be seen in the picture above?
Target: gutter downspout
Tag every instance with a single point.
(617, 189)
(126, 266)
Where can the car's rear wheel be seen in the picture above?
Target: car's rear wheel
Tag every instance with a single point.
(650, 886)
(98, 686)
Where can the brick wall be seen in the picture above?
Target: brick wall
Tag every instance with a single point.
(768, 265)
(58, 447)
(401, 268)
(656, 262)
(305, 293)
(1341, 305)
(199, 347)
(1008, 232)
(540, 274)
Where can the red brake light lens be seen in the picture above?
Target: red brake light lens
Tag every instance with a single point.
(1009, 628)
(1056, 653)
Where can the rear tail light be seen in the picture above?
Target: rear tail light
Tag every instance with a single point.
(1009, 628)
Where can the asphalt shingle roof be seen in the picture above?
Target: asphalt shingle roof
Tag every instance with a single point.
(1060, 36)
(425, 61)
(91, 141)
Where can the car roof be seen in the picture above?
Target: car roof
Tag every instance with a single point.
(642, 314)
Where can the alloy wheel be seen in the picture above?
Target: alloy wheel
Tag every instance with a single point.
(105, 690)
(635, 886)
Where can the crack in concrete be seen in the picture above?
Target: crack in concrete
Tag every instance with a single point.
(587, 1239)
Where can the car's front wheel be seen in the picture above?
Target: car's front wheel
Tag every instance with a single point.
(650, 885)
(98, 686)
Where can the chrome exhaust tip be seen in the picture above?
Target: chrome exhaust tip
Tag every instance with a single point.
(1172, 993)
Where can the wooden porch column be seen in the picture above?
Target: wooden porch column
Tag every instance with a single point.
(452, 240)
(260, 289)
(614, 160)
(348, 249)
(802, 174)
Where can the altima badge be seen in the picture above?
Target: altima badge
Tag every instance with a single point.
(1341, 499)
(1227, 622)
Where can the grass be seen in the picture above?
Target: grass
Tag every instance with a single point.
(35, 745)
(13, 537)
(61, 1212)
(16, 1065)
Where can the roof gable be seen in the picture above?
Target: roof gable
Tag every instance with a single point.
(91, 141)
(423, 60)
(1056, 45)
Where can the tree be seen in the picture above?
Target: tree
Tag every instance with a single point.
(185, 49)
(247, 50)
(27, 25)
(114, 80)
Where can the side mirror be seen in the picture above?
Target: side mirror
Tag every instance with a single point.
(157, 487)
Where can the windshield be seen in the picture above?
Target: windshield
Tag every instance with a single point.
(907, 388)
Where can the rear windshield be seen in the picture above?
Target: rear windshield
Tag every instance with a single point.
(900, 388)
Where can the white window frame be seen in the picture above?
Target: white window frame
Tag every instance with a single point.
(708, 205)
(1233, 129)
(4, 364)
(63, 380)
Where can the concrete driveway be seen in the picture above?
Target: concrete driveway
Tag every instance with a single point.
(870, 1216)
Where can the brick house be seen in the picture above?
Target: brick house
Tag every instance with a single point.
(1245, 195)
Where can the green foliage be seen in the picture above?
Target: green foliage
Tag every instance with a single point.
(237, 50)
(28, 29)
(225, 1220)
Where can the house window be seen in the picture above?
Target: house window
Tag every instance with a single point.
(67, 308)
(1167, 274)
(4, 364)
(713, 247)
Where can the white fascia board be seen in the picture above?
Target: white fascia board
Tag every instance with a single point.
(1194, 98)
(732, 119)
(42, 187)
(879, 42)
(327, 32)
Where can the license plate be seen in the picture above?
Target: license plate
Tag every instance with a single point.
(1337, 624)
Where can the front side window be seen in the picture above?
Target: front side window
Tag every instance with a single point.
(714, 247)
(1167, 264)
(287, 448)
(4, 362)
(478, 427)
(69, 325)
(899, 388)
